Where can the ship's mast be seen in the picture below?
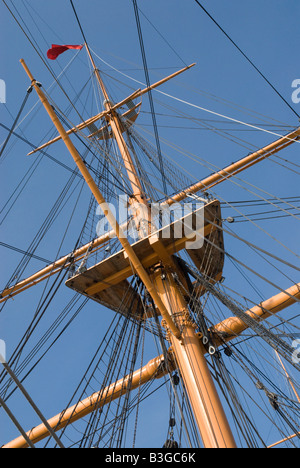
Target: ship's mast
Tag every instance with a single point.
(162, 276)
(138, 200)
(189, 353)
(186, 352)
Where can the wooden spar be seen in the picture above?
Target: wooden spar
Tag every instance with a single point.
(135, 95)
(96, 71)
(234, 326)
(137, 266)
(237, 167)
(85, 124)
(117, 129)
(154, 369)
(139, 93)
(284, 440)
(139, 203)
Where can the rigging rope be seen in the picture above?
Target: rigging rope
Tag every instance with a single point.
(29, 90)
(137, 17)
(274, 341)
(230, 119)
(23, 252)
(122, 415)
(247, 58)
(245, 426)
(32, 404)
(40, 54)
(16, 423)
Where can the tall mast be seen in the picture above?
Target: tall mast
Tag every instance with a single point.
(138, 201)
(137, 265)
(189, 354)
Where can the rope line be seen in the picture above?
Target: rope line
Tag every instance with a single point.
(247, 58)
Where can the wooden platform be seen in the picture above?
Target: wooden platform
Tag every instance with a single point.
(108, 282)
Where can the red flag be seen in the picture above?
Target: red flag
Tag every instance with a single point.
(56, 50)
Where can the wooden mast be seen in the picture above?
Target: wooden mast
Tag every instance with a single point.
(189, 353)
(211, 419)
(138, 267)
(116, 126)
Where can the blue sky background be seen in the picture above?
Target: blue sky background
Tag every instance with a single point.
(267, 31)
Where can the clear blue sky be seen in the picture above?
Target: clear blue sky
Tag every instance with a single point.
(267, 31)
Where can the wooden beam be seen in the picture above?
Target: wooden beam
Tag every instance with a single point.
(135, 95)
(234, 326)
(86, 123)
(155, 369)
(147, 262)
(235, 168)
